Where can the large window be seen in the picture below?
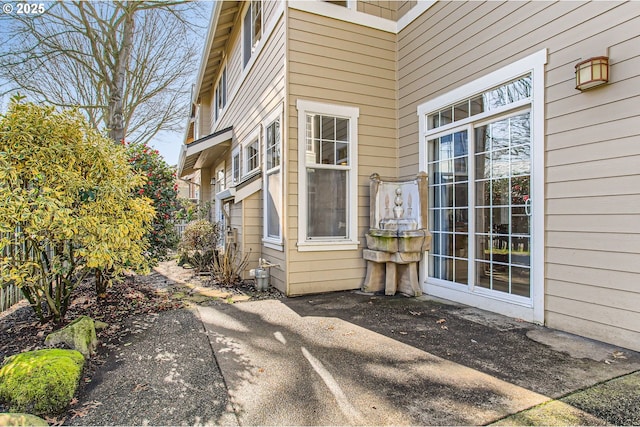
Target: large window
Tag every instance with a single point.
(273, 179)
(483, 150)
(327, 176)
(252, 29)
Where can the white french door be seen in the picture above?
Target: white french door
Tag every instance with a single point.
(482, 144)
(480, 205)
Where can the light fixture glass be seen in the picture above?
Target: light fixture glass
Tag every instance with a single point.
(592, 72)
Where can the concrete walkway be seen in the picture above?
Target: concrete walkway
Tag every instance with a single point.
(352, 359)
(295, 363)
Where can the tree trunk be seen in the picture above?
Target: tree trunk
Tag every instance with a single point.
(116, 107)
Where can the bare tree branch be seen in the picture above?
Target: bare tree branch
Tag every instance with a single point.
(127, 65)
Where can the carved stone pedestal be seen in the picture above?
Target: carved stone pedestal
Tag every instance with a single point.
(392, 272)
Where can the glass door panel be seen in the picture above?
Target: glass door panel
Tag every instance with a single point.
(448, 208)
(502, 229)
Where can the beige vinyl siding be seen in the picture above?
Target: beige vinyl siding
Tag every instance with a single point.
(235, 221)
(403, 6)
(382, 8)
(252, 229)
(252, 94)
(592, 173)
(335, 62)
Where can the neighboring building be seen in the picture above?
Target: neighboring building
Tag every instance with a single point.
(534, 185)
(188, 187)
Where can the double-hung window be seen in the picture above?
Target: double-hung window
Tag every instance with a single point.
(327, 176)
(251, 29)
(273, 179)
(251, 155)
(235, 165)
(220, 95)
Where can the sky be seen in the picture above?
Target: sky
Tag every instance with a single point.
(167, 143)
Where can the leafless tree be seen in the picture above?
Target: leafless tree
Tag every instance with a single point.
(127, 64)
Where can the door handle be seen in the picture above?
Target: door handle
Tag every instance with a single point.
(527, 207)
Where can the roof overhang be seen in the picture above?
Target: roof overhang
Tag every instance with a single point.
(223, 18)
(204, 152)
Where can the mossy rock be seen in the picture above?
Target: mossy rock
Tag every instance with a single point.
(79, 335)
(42, 381)
(18, 419)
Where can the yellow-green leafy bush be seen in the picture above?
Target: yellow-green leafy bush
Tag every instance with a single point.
(67, 206)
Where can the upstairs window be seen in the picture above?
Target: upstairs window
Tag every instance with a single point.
(251, 154)
(235, 165)
(220, 96)
(251, 29)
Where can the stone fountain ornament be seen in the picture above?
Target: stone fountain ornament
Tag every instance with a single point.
(394, 248)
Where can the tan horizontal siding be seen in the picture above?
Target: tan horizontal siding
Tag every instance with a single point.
(584, 152)
(614, 261)
(614, 223)
(590, 328)
(592, 163)
(335, 62)
(252, 229)
(599, 205)
(591, 276)
(605, 168)
(623, 300)
(593, 188)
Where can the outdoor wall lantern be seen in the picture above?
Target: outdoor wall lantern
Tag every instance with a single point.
(592, 72)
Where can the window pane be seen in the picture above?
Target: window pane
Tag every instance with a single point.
(246, 33)
(520, 129)
(274, 204)
(327, 150)
(251, 154)
(328, 128)
(500, 163)
(462, 195)
(446, 116)
(521, 160)
(273, 145)
(256, 10)
(342, 130)
(520, 278)
(433, 121)
(342, 153)
(461, 111)
(483, 142)
(327, 203)
(236, 167)
(519, 89)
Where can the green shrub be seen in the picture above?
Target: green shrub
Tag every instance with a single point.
(67, 206)
(199, 244)
(161, 188)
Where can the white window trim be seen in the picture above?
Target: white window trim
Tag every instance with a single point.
(270, 242)
(255, 45)
(236, 151)
(352, 15)
(217, 114)
(352, 113)
(244, 159)
(534, 64)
